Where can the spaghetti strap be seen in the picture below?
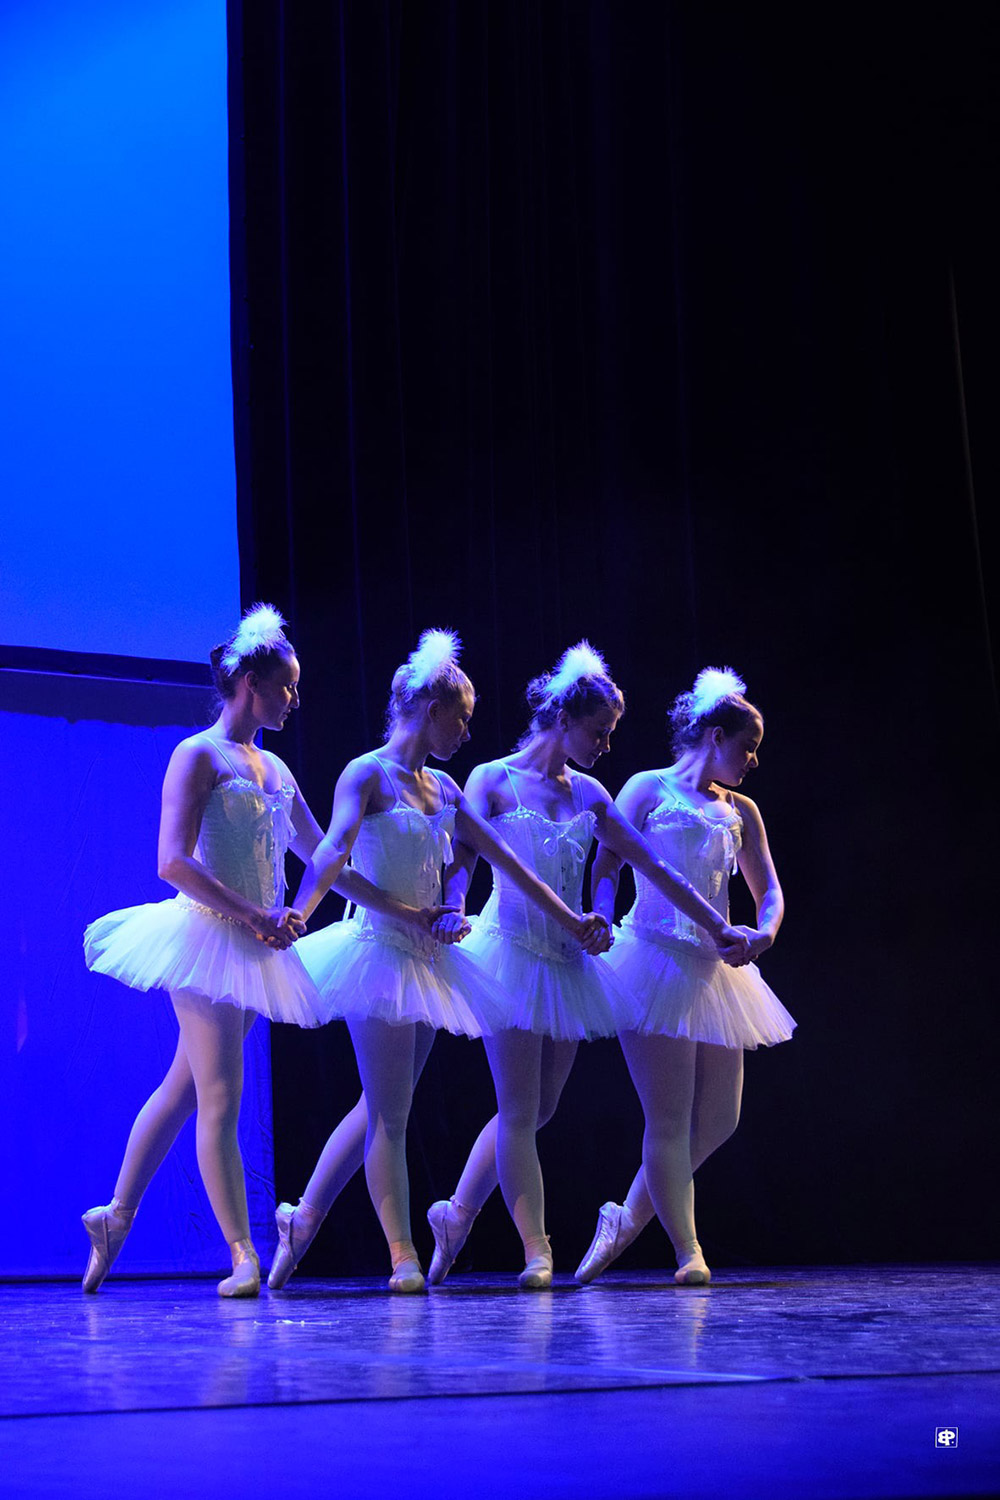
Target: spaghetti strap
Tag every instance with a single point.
(389, 777)
(511, 780)
(444, 795)
(576, 791)
(240, 775)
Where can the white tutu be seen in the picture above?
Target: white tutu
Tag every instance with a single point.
(572, 999)
(397, 977)
(180, 945)
(674, 988)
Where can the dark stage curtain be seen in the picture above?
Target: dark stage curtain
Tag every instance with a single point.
(671, 326)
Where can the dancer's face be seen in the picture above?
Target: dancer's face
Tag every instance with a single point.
(449, 719)
(275, 693)
(736, 754)
(589, 737)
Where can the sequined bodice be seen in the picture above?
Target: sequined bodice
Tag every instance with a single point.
(703, 846)
(244, 834)
(557, 853)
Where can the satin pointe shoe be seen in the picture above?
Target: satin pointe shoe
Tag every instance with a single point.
(245, 1280)
(450, 1224)
(107, 1229)
(613, 1233)
(297, 1228)
(691, 1268)
(537, 1273)
(407, 1277)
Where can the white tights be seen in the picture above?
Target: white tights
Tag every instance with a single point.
(690, 1094)
(529, 1073)
(206, 1075)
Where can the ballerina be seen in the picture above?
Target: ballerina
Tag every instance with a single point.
(223, 946)
(692, 1015)
(557, 996)
(393, 982)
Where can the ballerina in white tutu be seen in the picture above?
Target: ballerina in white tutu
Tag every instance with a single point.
(223, 946)
(556, 995)
(395, 984)
(692, 1015)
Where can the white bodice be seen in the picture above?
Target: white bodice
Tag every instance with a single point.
(244, 835)
(703, 847)
(403, 851)
(557, 853)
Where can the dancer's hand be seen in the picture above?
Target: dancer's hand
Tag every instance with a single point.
(449, 924)
(734, 946)
(280, 926)
(596, 935)
(757, 942)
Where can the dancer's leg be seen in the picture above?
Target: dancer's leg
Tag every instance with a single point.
(715, 1114)
(718, 1093)
(157, 1126)
(341, 1157)
(663, 1070)
(213, 1043)
(387, 1064)
(516, 1064)
(451, 1219)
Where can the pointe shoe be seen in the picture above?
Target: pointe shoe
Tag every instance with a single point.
(450, 1225)
(614, 1231)
(107, 1229)
(245, 1280)
(537, 1273)
(407, 1277)
(295, 1235)
(691, 1268)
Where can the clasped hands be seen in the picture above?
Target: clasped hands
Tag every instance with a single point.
(281, 926)
(449, 924)
(740, 945)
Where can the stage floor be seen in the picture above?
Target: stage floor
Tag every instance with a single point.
(780, 1382)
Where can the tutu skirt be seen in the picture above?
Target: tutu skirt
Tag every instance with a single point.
(571, 999)
(673, 989)
(180, 945)
(389, 976)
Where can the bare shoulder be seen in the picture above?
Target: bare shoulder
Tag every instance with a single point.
(595, 793)
(748, 811)
(641, 792)
(486, 776)
(195, 756)
(283, 770)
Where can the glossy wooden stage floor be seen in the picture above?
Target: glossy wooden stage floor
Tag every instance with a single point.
(792, 1382)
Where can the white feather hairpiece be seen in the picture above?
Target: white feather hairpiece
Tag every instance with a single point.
(712, 685)
(260, 626)
(579, 661)
(435, 649)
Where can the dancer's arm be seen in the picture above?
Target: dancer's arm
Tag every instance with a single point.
(357, 782)
(758, 870)
(478, 835)
(187, 786)
(617, 833)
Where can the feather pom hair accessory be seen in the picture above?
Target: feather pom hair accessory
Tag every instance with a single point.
(261, 626)
(711, 686)
(579, 661)
(435, 649)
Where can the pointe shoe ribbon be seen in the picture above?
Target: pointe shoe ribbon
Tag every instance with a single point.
(245, 1280)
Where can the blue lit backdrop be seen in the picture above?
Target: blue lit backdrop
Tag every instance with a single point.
(117, 470)
(117, 486)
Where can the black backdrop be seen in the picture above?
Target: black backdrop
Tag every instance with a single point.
(670, 325)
